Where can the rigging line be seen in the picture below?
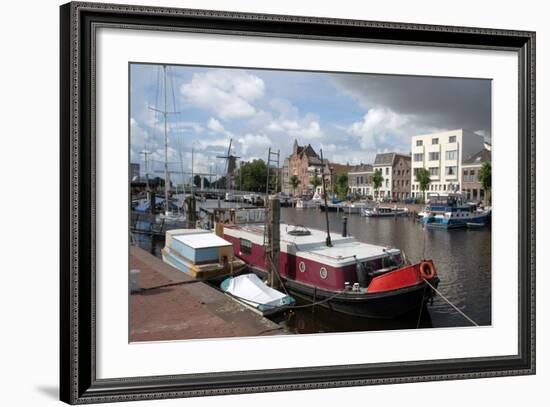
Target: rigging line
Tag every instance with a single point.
(173, 94)
(421, 307)
(158, 89)
(450, 303)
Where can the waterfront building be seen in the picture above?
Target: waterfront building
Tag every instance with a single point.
(304, 163)
(360, 180)
(332, 172)
(442, 155)
(471, 166)
(396, 170)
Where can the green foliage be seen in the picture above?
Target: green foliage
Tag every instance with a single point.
(485, 176)
(423, 179)
(197, 181)
(341, 187)
(294, 181)
(485, 179)
(252, 176)
(315, 181)
(377, 179)
(219, 183)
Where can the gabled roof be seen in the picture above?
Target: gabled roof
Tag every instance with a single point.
(362, 168)
(483, 156)
(388, 158)
(384, 159)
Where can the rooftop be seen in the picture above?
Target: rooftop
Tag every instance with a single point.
(483, 156)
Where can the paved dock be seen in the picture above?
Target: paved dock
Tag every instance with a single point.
(172, 305)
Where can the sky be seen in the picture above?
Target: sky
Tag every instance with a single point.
(351, 117)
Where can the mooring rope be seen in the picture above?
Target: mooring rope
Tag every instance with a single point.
(450, 303)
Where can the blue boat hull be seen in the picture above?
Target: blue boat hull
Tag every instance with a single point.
(455, 222)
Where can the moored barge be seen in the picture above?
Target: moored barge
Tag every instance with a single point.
(349, 276)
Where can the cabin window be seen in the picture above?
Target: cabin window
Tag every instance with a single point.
(246, 246)
(323, 273)
(302, 267)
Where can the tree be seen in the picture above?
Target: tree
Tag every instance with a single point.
(197, 181)
(219, 183)
(315, 181)
(377, 180)
(252, 175)
(423, 178)
(485, 180)
(342, 186)
(294, 181)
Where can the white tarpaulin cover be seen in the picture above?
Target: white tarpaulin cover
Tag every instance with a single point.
(250, 289)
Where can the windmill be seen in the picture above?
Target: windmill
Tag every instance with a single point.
(230, 166)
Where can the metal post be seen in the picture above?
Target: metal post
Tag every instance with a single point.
(328, 240)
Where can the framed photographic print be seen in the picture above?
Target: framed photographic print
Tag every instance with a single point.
(256, 203)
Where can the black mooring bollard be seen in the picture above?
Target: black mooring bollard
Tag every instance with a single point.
(345, 226)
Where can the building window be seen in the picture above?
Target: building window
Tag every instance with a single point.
(434, 156)
(415, 171)
(419, 143)
(452, 139)
(450, 171)
(419, 157)
(387, 171)
(435, 141)
(450, 155)
(246, 246)
(387, 182)
(434, 171)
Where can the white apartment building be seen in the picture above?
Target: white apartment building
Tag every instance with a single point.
(383, 162)
(442, 155)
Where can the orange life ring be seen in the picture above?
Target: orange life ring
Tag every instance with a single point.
(427, 271)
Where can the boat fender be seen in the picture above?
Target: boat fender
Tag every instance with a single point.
(427, 270)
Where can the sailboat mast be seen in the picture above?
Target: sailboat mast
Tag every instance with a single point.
(165, 113)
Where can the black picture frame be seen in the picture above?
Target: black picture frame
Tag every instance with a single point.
(78, 381)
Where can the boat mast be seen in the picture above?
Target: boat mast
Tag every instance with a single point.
(328, 240)
(165, 114)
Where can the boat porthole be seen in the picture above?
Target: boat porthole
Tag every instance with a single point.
(323, 272)
(302, 267)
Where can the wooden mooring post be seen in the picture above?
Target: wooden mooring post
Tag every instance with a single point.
(273, 243)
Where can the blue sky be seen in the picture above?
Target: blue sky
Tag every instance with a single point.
(350, 116)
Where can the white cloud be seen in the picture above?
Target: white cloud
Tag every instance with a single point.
(228, 94)
(291, 123)
(381, 126)
(215, 125)
(254, 144)
(220, 144)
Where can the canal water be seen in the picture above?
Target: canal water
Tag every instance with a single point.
(462, 258)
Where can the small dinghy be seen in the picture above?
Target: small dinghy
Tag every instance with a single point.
(253, 292)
